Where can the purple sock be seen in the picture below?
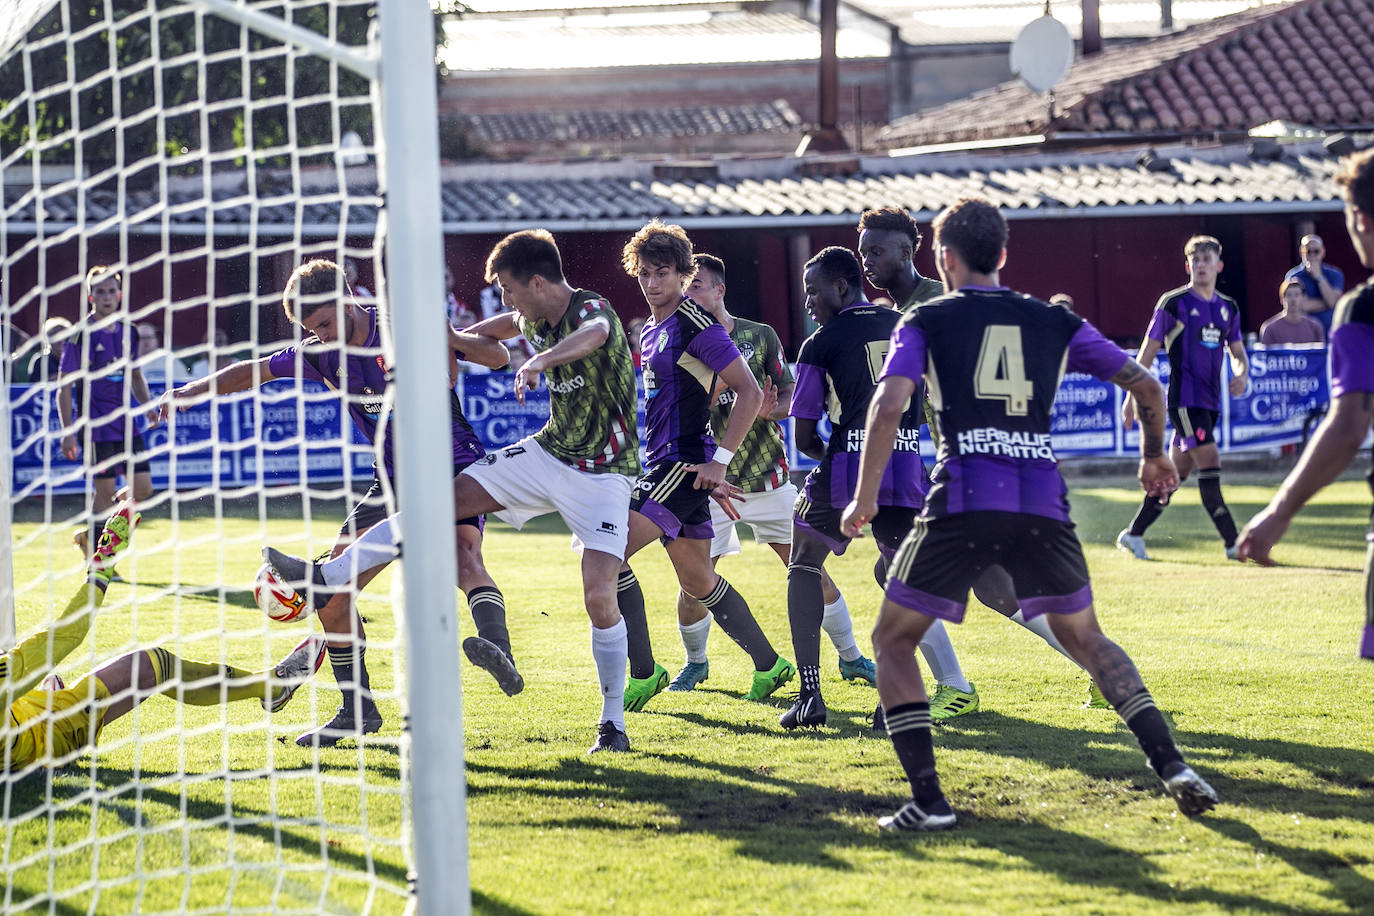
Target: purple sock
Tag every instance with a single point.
(1367, 644)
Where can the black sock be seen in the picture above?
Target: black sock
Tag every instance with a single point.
(93, 532)
(1144, 720)
(732, 613)
(1149, 511)
(908, 726)
(810, 679)
(631, 599)
(805, 612)
(1209, 486)
(489, 614)
(350, 673)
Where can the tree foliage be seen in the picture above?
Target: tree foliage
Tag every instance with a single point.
(140, 80)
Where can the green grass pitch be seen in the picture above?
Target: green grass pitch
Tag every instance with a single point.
(201, 809)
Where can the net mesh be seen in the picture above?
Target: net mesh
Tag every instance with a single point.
(201, 160)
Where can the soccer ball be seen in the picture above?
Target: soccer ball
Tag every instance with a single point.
(276, 597)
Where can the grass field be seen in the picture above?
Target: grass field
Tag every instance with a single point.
(716, 810)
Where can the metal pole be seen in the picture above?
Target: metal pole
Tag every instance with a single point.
(409, 167)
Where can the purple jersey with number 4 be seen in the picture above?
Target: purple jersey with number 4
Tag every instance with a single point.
(104, 363)
(681, 358)
(1195, 333)
(992, 360)
(360, 375)
(1352, 342)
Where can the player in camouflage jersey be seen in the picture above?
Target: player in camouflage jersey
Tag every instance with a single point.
(760, 470)
(582, 464)
(1347, 423)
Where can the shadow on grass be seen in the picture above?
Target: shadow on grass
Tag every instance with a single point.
(128, 795)
(801, 823)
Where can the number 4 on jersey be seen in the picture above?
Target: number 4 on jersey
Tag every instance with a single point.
(1001, 374)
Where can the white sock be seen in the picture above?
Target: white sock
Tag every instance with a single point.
(610, 650)
(840, 628)
(1041, 627)
(939, 655)
(378, 546)
(694, 639)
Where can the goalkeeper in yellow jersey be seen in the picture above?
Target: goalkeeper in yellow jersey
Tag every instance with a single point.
(49, 724)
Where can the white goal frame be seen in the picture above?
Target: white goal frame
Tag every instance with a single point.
(406, 123)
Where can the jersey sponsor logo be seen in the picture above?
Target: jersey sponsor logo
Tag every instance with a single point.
(1210, 337)
(989, 440)
(908, 440)
(569, 386)
(371, 402)
(650, 379)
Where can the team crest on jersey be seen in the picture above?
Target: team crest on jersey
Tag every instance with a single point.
(746, 349)
(662, 340)
(1225, 315)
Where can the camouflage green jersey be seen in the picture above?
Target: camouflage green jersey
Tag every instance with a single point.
(761, 460)
(926, 290)
(592, 400)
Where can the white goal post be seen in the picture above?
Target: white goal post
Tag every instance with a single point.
(41, 222)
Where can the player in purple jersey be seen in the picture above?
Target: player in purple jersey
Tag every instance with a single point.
(836, 374)
(99, 356)
(685, 351)
(888, 241)
(1195, 325)
(760, 470)
(344, 352)
(992, 360)
(1347, 421)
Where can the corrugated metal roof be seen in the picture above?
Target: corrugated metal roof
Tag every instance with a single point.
(746, 193)
(605, 124)
(1308, 63)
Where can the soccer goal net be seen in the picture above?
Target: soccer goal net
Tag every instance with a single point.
(166, 167)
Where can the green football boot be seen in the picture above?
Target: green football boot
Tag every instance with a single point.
(767, 682)
(641, 690)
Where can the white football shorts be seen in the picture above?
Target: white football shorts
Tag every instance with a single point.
(769, 513)
(530, 482)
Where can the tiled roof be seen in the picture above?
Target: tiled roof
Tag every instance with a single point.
(621, 195)
(1307, 63)
(648, 39)
(942, 22)
(605, 124)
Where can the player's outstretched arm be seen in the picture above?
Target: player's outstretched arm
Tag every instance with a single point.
(1157, 473)
(497, 327)
(589, 336)
(479, 348)
(241, 376)
(1333, 445)
(885, 411)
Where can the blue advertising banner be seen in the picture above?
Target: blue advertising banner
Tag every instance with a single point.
(291, 433)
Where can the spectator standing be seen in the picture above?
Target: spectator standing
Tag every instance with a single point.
(460, 314)
(1322, 284)
(1291, 325)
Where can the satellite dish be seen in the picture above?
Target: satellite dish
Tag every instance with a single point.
(1042, 53)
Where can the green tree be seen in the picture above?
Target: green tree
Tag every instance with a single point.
(158, 76)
